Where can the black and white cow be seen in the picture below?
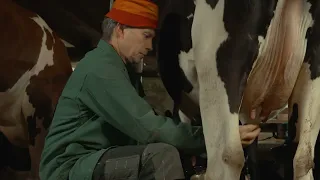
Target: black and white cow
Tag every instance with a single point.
(248, 55)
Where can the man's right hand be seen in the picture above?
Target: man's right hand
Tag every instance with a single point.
(248, 133)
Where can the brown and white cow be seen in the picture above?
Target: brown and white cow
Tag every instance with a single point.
(34, 67)
(248, 55)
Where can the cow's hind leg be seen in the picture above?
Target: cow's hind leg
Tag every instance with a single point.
(306, 96)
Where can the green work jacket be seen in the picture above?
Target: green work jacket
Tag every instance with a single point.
(98, 109)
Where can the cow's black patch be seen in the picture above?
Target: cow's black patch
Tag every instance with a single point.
(168, 56)
(293, 119)
(39, 97)
(175, 36)
(267, 13)
(313, 47)
(244, 21)
(212, 3)
(314, 7)
(182, 8)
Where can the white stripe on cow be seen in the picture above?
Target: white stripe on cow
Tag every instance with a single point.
(187, 64)
(46, 56)
(45, 59)
(221, 128)
(16, 97)
(67, 44)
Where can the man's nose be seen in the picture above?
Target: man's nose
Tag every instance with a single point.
(149, 46)
(149, 49)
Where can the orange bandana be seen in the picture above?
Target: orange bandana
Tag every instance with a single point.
(135, 13)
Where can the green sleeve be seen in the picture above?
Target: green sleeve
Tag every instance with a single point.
(115, 99)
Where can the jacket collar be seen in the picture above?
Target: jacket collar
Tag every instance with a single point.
(114, 57)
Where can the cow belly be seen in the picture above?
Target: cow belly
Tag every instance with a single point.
(281, 54)
(15, 107)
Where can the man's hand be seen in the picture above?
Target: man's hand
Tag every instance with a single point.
(248, 133)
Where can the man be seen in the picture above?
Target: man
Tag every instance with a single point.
(102, 129)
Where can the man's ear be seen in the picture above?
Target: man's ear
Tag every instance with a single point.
(119, 31)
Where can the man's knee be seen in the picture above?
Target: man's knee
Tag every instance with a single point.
(126, 167)
(163, 160)
(161, 149)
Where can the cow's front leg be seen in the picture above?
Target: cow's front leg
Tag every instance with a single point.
(306, 97)
(223, 59)
(220, 120)
(221, 129)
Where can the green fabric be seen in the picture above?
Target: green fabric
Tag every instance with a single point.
(99, 108)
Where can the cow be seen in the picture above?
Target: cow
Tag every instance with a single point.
(246, 55)
(34, 67)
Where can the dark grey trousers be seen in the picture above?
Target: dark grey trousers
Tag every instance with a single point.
(147, 162)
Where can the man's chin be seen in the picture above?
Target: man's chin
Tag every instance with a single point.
(137, 61)
(133, 61)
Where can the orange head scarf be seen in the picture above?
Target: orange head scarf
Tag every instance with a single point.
(135, 13)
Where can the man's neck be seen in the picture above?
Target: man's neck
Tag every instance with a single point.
(115, 46)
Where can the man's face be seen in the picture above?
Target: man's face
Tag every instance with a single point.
(135, 43)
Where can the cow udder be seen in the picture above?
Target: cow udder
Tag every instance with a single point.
(274, 74)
